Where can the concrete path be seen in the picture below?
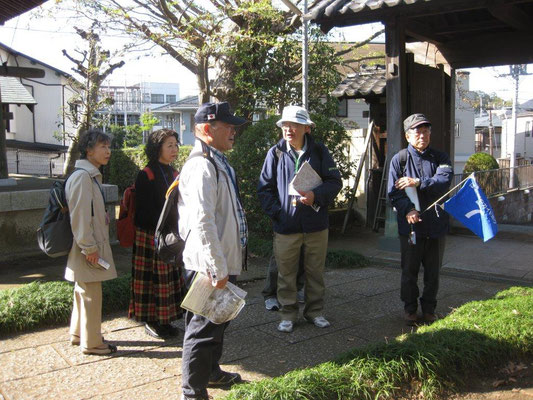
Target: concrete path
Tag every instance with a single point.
(362, 304)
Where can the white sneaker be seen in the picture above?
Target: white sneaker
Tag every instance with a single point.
(320, 322)
(286, 326)
(272, 304)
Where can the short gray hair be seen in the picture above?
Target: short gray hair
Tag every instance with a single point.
(91, 138)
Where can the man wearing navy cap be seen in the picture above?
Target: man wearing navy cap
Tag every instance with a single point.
(213, 225)
(428, 173)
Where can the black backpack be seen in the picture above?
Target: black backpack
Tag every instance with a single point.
(167, 241)
(54, 234)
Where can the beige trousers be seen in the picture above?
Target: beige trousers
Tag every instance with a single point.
(86, 320)
(287, 252)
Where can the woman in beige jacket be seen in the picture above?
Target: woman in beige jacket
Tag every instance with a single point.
(90, 226)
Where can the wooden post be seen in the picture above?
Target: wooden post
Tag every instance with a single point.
(4, 173)
(396, 74)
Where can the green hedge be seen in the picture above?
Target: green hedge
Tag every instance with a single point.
(480, 162)
(126, 163)
(40, 304)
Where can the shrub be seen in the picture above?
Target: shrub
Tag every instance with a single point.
(40, 304)
(126, 163)
(480, 162)
(247, 159)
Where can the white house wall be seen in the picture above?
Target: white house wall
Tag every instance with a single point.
(523, 139)
(356, 107)
(464, 130)
(50, 94)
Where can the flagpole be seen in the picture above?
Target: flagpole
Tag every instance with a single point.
(447, 193)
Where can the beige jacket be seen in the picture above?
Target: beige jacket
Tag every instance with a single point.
(91, 232)
(208, 218)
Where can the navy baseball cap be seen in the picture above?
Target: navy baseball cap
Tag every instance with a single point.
(412, 121)
(209, 112)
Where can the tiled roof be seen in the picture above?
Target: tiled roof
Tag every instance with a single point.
(12, 92)
(366, 83)
(190, 102)
(329, 8)
(10, 8)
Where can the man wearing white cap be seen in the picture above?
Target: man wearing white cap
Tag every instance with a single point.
(300, 221)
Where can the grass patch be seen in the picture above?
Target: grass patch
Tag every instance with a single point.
(345, 259)
(261, 247)
(471, 339)
(40, 304)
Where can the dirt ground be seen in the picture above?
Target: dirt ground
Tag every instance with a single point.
(511, 381)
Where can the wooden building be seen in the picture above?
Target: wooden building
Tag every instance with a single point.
(465, 33)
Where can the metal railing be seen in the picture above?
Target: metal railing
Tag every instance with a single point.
(34, 162)
(499, 181)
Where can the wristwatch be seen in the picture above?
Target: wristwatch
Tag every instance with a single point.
(417, 182)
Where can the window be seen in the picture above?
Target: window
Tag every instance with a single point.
(457, 129)
(157, 98)
(528, 128)
(171, 98)
(342, 110)
(7, 117)
(119, 119)
(133, 119)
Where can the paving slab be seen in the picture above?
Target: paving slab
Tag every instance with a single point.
(30, 362)
(86, 380)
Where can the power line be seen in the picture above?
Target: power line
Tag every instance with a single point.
(59, 32)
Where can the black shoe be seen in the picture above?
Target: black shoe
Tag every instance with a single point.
(153, 329)
(168, 331)
(225, 379)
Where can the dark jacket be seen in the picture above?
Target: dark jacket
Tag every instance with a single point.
(274, 182)
(435, 172)
(150, 195)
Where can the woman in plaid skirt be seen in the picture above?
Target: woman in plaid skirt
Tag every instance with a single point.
(156, 286)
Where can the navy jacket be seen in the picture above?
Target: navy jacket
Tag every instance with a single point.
(435, 172)
(274, 182)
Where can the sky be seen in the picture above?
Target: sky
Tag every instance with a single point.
(44, 38)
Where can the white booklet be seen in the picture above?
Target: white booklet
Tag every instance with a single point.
(305, 179)
(217, 305)
(411, 192)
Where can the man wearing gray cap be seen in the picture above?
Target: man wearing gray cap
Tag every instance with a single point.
(428, 173)
(213, 225)
(300, 219)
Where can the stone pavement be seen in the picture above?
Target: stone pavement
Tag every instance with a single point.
(362, 304)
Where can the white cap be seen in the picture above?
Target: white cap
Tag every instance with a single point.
(295, 114)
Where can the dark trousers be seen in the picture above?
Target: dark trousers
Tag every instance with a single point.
(429, 253)
(202, 349)
(271, 284)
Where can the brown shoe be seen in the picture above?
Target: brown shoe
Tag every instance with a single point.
(430, 317)
(410, 318)
(101, 350)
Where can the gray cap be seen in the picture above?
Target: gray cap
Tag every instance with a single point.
(412, 121)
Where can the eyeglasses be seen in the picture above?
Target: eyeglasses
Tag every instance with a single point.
(416, 132)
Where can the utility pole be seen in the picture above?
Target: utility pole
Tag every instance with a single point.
(491, 132)
(305, 61)
(305, 48)
(515, 71)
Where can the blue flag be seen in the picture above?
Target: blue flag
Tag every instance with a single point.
(471, 207)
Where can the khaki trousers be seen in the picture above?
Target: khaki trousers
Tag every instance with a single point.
(86, 320)
(287, 252)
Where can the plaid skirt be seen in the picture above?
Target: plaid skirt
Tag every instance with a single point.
(156, 287)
